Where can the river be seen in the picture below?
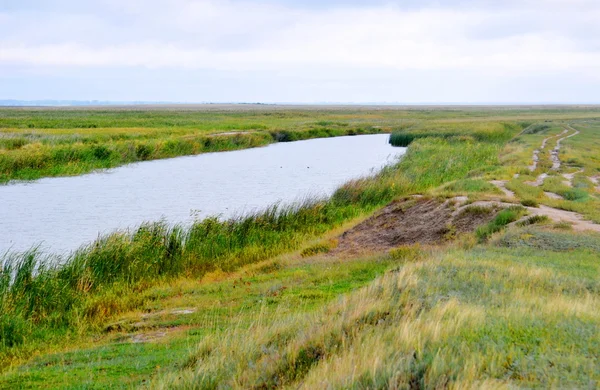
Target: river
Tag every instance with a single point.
(61, 214)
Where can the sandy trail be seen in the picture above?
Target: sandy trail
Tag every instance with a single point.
(570, 177)
(501, 185)
(552, 195)
(536, 153)
(554, 155)
(539, 181)
(578, 222)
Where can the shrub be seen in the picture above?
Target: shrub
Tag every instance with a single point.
(407, 252)
(536, 128)
(574, 194)
(401, 139)
(530, 203)
(476, 210)
(503, 218)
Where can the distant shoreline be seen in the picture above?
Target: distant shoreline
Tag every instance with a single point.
(58, 105)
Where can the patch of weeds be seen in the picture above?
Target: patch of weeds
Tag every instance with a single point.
(575, 194)
(476, 210)
(534, 219)
(530, 203)
(407, 252)
(503, 218)
(269, 267)
(574, 162)
(450, 232)
(563, 225)
(12, 331)
(471, 185)
(321, 247)
(275, 291)
(466, 241)
(536, 128)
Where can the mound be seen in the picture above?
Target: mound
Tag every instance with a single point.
(410, 221)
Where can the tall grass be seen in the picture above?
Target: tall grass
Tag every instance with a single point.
(35, 160)
(483, 318)
(482, 132)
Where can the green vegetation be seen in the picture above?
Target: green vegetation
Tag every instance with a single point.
(503, 218)
(321, 247)
(37, 142)
(529, 203)
(264, 301)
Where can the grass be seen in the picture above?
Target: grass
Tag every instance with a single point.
(37, 143)
(253, 303)
(456, 319)
(273, 288)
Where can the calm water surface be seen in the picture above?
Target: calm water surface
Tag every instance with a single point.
(61, 214)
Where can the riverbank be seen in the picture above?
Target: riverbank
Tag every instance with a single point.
(268, 301)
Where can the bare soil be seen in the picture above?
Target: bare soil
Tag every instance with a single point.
(410, 221)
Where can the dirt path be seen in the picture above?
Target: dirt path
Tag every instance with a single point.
(570, 177)
(539, 181)
(501, 185)
(554, 155)
(554, 196)
(536, 153)
(556, 215)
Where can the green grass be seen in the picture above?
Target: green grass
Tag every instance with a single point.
(502, 219)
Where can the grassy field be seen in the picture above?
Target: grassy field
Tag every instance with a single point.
(41, 142)
(258, 303)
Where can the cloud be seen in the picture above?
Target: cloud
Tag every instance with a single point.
(307, 38)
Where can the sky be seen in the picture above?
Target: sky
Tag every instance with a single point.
(310, 51)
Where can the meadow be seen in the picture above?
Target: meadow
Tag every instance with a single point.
(257, 302)
(46, 142)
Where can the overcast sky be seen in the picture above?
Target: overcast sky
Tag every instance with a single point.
(510, 51)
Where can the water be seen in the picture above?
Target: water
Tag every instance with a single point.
(61, 214)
